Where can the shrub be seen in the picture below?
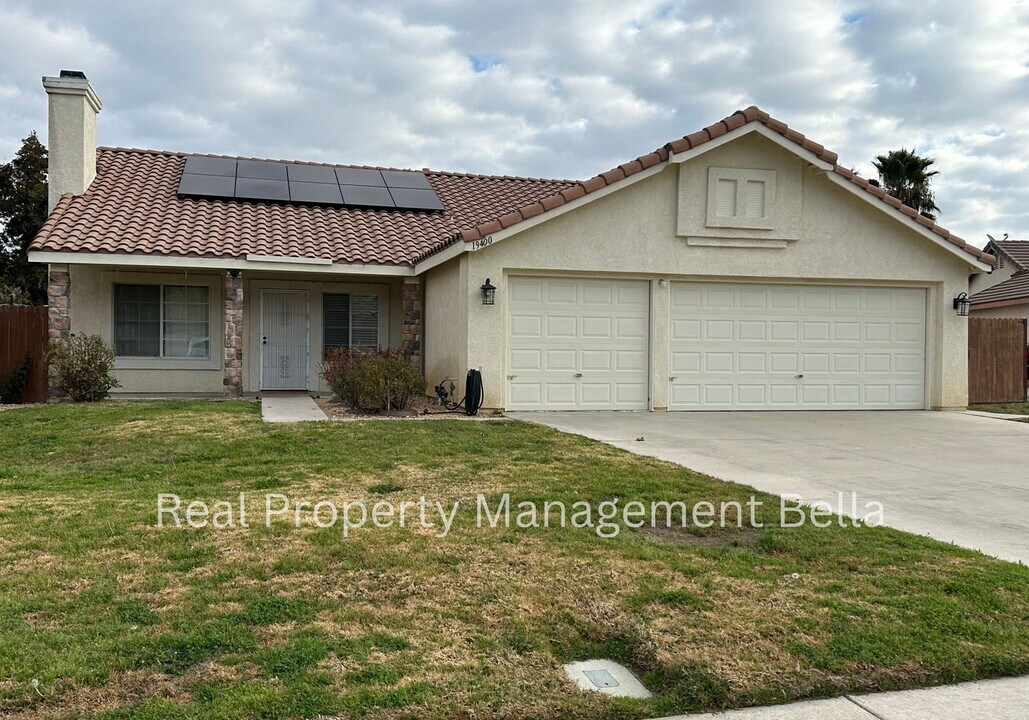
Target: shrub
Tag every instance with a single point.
(12, 387)
(372, 378)
(80, 366)
(385, 383)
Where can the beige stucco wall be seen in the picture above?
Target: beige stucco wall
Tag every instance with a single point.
(445, 314)
(92, 313)
(980, 282)
(639, 231)
(92, 305)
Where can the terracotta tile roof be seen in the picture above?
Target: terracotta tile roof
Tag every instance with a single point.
(132, 207)
(736, 120)
(1017, 250)
(1014, 288)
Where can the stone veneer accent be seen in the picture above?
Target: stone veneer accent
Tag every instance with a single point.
(58, 291)
(412, 297)
(233, 320)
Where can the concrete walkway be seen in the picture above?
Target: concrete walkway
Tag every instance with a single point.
(1005, 699)
(290, 407)
(953, 476)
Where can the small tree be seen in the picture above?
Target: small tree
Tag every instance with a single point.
(907, 177)
(81, 367)
(23, 199)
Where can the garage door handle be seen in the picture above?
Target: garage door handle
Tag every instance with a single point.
(578, 374)
(799, 376)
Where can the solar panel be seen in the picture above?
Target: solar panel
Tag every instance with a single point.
(406, 179)
(365, 196)
(415, 199)
(359, 176)
(311, 173)
(317, 193)
(261, 170)
(255, 189)
(196, 165)
(207, 185)
(315, 184)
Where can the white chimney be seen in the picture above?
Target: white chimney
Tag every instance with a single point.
(71, 135)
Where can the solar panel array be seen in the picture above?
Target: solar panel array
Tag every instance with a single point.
(273, 181)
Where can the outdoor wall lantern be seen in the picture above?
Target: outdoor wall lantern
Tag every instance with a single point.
(961, 304)
(489, 293)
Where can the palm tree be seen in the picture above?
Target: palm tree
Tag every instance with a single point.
(907, 177)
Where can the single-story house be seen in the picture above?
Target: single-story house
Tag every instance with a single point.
(1005, 291)
(740, 267)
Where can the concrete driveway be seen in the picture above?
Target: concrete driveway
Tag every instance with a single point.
(956, 477)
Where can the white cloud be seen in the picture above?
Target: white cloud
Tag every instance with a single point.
(543, 88)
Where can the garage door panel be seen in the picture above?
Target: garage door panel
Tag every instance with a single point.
(751, 330)
(595, 360)
(561, 326)
(685, 362)
(630, 360)
(559, 360)
(745, 346)
(559, 292)
(602, 327)
(526, 360)
(592, 338)
(528, 394)
(526, 326)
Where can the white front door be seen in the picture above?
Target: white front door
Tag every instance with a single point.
(284, 340)
(741, 346)
(578, 344)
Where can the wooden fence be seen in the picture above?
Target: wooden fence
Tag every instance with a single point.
(997, 360)
(23, 334)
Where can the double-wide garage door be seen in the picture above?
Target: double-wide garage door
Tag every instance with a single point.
(796, 347)
(585, 344)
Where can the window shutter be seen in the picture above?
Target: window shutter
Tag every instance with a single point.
(754, 199)
(725, 198)
(364, 320)
(335, 320)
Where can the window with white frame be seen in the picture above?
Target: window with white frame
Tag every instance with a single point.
(350, 320)
(740, 198)
(169, 321)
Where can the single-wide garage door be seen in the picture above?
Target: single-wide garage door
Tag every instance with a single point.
(796, 347)
(577, 344)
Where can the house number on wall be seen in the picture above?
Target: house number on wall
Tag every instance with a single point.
(477, 244)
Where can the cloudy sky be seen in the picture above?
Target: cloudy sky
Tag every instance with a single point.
(543, 87)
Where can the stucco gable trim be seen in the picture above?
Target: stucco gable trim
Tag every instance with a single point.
(726, 130)
(753, 127)
(504, 233)
(910, 223)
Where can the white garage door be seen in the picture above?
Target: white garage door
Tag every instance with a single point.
(577, 344)
(796, 347)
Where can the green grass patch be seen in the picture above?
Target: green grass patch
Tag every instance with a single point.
(1016, 408)
(278, 623)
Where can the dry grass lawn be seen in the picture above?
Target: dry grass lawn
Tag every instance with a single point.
(104, 614)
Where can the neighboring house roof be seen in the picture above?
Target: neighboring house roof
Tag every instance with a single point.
(1016, 250)
(733, 122)
(1011, 291)
(132, 207)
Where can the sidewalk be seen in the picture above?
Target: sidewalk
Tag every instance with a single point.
(1004, 699)
(281, 407)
